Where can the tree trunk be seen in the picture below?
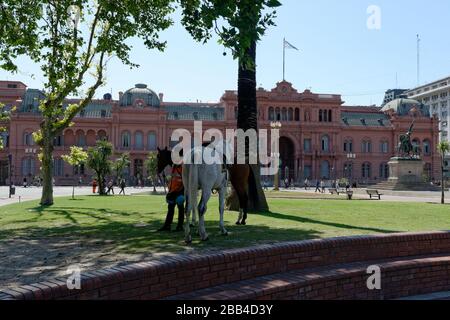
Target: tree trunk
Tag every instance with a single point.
(47, 173)
(443, 182)
(248, 119)
(101, 186)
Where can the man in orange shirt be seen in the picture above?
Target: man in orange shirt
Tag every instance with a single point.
(175, 197)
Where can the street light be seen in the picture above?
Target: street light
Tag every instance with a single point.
(350, 157)
(276, 125)
(10, 175)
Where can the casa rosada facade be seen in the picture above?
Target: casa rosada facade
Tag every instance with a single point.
(320, 136)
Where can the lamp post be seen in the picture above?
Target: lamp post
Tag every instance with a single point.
(350, 157)
(276, 125)
(10, 174)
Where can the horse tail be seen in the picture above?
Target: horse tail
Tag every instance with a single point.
(192, 188)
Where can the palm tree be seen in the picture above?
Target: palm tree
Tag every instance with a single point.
(248, 119)
(443, 148)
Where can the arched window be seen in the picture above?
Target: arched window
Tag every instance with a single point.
(325, 143)
(384, 147)
(28, 139)
(348, 170)
(366, 170)
(277, 114)
(235, 113)
(297, 114)
(291, 114)
(138, 141)
(416, 142)
(81, 139)
(58, 167)
(28, 166)
(384, 171)
(427, 147)
(271, 114)
(366, 146)
(151, 141)
(126, 140)
(284, 116)
(348, 145)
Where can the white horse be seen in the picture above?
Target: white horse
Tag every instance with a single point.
(207, 178)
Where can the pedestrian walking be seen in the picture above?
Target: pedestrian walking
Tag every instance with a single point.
(110, 187)
(322, 185)
(317, 186)
(122, 186)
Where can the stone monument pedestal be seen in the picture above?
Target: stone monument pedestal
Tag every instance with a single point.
(406, 170)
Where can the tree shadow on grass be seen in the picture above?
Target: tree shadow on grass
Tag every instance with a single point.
(35, 254)
(300, 219)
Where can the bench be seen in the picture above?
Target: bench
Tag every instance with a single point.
(334, 191)
(374, 193)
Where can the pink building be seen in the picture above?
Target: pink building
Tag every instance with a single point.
(320, 137)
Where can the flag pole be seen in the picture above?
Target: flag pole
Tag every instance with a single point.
(284, 59)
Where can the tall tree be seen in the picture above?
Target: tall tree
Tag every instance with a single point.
(239, 26)
(75, 158)
(72, 41)
(443, 149)
(120, 164)
(99, 162)
(151, 163)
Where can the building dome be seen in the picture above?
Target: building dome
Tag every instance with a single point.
(403, 107)
(140, 95)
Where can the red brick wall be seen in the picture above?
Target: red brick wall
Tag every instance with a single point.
(183, 274)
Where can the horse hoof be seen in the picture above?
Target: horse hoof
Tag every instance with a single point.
(225, 234)
(188, 242)
(244, 223)
(206, 239)
(238, 223)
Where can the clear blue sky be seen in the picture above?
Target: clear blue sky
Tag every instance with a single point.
(339, 54)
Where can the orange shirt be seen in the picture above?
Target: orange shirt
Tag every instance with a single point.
(176, 182)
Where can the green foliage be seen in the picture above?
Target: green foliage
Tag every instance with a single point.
(99, 162)
(444, 148)
(76, 157)
(120, 164)
(4, 117)
(237, 23)
(72, 41)
(151, 163)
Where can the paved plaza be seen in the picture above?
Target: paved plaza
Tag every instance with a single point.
(34, 193)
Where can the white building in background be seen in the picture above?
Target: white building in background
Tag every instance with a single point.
(436, 95)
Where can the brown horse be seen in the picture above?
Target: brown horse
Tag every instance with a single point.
(239, 177)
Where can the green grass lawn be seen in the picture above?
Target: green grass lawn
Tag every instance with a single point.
(117, 221)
